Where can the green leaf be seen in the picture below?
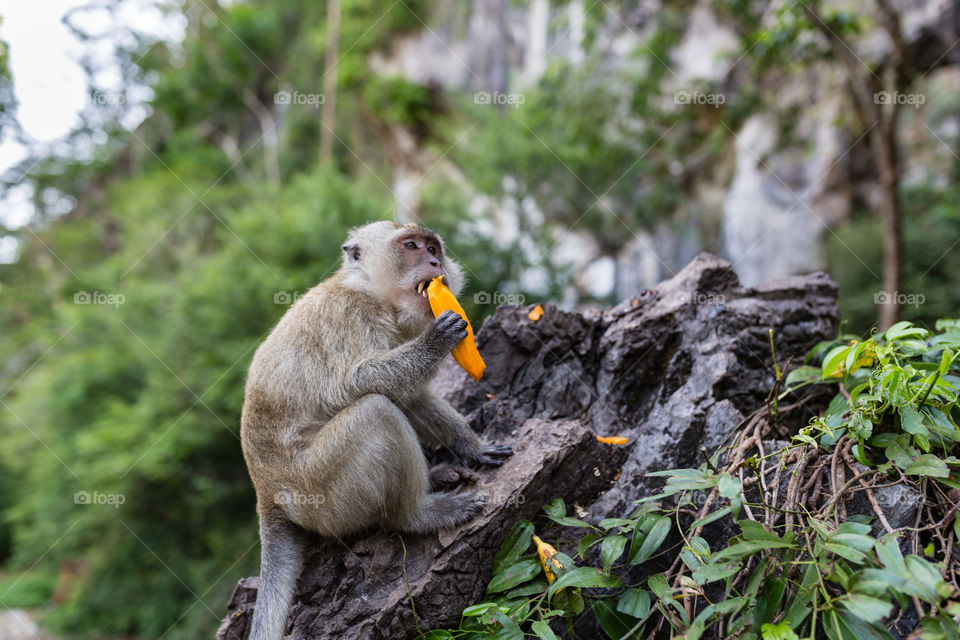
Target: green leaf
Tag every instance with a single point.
(911, 421)
(838, 406)
(515, 544)
(570, 601)
(728, 486)
(634, 602)
(780, 631)
(857, 541)
(543, 630)
(753, 530)
(860, 426)
(583, 577)
(905, 329)
(715, 571)
(608, 523)
(510, 629)
(556, 509)
(586, 542)
(839, 625)
(843, 551)
(866, 607)
(928, 465)
(658, 584)
(804, 374)
(832, 361)
(768, 601)
(616, 625)
(610, 550)
(798, 607)
(925, 576)
(686, 480)
(860, 454)
(515, 573)
(478, 609)
(645, 544)
(707, 519)
(536, 587)
(437, 634)
(888, 550)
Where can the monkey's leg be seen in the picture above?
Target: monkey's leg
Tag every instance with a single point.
(281, 555)
(366, 467)
(438, 423)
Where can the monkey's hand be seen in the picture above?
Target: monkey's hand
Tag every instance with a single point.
(446, 331)
(492, 454)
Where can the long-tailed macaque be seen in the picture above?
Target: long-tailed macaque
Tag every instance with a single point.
(338, 403)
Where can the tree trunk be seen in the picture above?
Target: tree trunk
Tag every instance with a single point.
(884, 143)
(330, 82)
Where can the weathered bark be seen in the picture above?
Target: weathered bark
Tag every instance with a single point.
(675, 368)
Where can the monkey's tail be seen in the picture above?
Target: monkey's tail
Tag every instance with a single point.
(281, 558)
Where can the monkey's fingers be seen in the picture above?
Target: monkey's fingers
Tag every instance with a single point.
(498, 451)
(452, 326)
(450, 476)
(494, 455)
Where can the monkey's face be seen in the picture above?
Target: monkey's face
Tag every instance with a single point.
(420, 260)
(395, 263)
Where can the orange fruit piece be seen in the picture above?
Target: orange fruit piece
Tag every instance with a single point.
(465, 353)
(613, 439)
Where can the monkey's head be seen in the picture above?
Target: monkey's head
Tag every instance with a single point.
(394, 263)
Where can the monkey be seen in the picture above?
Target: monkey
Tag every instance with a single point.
(337, 403)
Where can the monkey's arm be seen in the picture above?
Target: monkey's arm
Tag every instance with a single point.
(400, 373)
(438, 423)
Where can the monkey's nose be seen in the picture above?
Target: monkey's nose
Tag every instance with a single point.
(434, 263)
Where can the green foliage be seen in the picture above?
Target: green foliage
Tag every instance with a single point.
(137, 405)
(31, 588)
(900, 396)
(793, 568)
(931, 227)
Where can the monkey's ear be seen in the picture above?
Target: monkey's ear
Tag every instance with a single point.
(352, 251)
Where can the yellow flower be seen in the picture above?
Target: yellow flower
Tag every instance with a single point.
(547, 559)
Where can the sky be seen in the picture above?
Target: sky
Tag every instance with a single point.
(48, 81)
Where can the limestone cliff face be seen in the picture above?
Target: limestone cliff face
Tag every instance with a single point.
(767, 214)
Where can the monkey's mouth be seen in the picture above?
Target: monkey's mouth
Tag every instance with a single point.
(422, 288)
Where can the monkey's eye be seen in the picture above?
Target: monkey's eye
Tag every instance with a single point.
(432, 250)
(410, 244)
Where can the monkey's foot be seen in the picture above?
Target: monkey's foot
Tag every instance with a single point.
(445, 477)
(493, 455)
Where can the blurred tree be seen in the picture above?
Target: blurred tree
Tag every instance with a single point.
(776, 40)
